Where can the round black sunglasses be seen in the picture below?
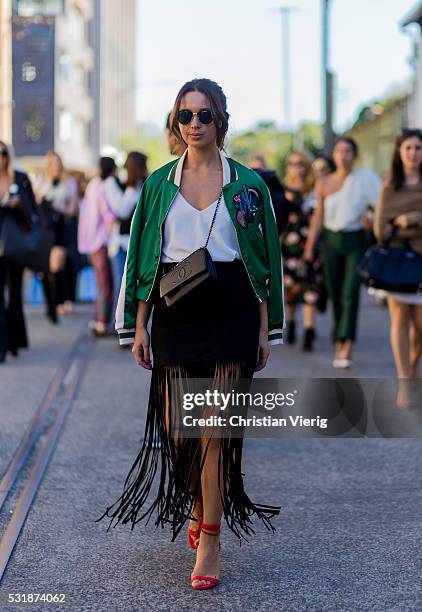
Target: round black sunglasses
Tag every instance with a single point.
(185, 116)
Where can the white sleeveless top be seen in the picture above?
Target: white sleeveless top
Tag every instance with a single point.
(343, 208)
(186, 229)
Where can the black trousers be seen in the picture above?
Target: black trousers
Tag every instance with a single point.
(13, 334)
(3, 324)
(61, 286)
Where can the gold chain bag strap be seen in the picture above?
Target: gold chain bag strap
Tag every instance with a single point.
(190, 272)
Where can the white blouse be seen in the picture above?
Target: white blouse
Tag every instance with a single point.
(122, 203)
(343, 208)
(186, 229)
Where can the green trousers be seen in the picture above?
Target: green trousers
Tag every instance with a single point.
(342, 251)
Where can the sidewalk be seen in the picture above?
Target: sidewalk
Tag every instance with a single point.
(25, 379)
(347, 537)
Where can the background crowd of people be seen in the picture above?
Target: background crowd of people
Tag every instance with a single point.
(328, 212)
(89, 221)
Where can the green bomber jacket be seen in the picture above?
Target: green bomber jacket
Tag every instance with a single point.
(251, 211)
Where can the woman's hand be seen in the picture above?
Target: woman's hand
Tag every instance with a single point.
(263, 350)
(368, 221)
(13, 201)
(401, 221)
(38, 198)
(140, 349)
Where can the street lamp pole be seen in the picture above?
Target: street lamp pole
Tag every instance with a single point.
(286, 73)
(327, 82)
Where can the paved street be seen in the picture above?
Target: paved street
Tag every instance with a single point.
(348, 537)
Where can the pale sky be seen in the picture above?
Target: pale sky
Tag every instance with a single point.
(238, 44)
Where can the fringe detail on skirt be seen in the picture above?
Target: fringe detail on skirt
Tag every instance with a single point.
(180, 460)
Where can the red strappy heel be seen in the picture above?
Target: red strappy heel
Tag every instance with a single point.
(193, 535)
(213, 530)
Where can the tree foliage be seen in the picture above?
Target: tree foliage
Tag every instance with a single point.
(149, 140)
(274, 145)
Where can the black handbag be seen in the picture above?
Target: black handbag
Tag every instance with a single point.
(392, 268)
(190, 272)
(29, 248)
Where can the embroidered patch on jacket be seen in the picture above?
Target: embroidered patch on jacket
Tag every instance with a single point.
(247, 202)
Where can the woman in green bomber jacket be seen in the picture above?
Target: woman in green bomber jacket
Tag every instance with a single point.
(221, 330)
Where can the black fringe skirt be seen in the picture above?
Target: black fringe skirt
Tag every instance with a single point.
(211, 333)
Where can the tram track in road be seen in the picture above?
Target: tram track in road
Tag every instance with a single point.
(37, 445)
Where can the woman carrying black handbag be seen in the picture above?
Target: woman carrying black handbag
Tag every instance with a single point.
(16, 199)
(398, 220)
(215, 312)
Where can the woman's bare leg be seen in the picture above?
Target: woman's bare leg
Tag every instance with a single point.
(399, 337)
(415, 340)
(308, 316)
(208, 555)
(339, 347)
(195, 484)
(345, 351)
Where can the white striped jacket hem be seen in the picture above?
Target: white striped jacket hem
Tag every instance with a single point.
(127, 336)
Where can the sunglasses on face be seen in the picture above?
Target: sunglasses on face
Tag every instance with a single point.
(4, 153)
(185, 116)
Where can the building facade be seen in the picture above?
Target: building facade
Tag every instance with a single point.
(377, 126)
(6, 99)
(414, 19)
(67, 78)
(74, 99)
(376, 129)
(115, 55)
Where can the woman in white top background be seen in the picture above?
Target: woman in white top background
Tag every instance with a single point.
(56, 194)
(123, 203)
(343, 198)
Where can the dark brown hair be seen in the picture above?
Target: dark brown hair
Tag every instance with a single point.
(136, 166)
(397, 171)
(328, 160)
(351, 142)
(218, 104)
(6, 148)
(107, 167)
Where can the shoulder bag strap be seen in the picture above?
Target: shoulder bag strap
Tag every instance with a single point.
(213, 219)
(393, 234)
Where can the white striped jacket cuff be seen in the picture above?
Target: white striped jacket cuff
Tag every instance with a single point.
(275, 336)
(126, 336)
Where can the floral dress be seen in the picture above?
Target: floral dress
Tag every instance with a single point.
(303, 282)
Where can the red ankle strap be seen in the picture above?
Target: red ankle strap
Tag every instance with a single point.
(211, 529)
